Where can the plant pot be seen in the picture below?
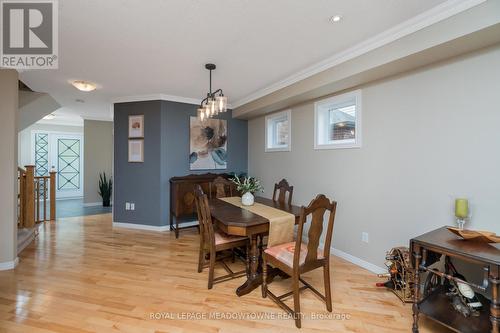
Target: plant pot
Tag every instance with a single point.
(106, 203)
(247, 199)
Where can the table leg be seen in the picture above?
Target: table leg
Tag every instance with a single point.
(495, 299)
(254, 276)
(418, 256)
(254, 279)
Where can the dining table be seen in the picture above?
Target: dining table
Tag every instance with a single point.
(238, 221)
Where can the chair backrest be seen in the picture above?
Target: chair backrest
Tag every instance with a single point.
(207, 236)
(280, 191)
(316, 209)
(222, 187)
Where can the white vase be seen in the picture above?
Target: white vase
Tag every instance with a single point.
(247, 199)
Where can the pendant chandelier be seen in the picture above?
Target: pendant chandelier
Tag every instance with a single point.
(214, 103)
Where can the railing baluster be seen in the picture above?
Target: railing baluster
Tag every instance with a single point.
(45, 198)
(37, 187)
(31, 195)
(53, 195)
(29, 211)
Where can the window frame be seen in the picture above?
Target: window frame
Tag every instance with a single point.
(273, 117)
(339, 100)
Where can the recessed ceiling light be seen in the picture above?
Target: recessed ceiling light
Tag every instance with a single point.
(335, 18)
(49, 116)
(84, 85)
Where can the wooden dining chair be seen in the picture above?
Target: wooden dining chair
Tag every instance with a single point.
(214, 242)
(296, 258)
(222, 187)
(280, 191)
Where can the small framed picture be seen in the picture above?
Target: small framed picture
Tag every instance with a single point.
(136, 151)
(136, 126)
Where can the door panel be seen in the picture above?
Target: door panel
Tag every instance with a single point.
(63, 152)
(68, 157)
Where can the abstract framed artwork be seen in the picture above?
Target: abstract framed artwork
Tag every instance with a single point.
(136, 126)
(208, 144)
(136, 150)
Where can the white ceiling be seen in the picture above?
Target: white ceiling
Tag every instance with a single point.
(149, 47)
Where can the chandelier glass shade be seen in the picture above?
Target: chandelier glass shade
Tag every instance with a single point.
(214, 103)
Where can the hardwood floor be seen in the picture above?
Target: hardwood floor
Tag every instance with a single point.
(81, 275)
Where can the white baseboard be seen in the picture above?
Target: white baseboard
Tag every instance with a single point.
(24, 238)
(162, 228)
(92, 204)
(188, 224)
(9, 264)
(358, 261)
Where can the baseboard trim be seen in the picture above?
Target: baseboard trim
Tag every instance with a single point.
(92, 204)
(9, 264)
(27, 240)
(358, 261)
(163, 228)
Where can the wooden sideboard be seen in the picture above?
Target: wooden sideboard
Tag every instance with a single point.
(182, 206)
(435, 304)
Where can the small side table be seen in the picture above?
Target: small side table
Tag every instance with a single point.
(436, 305)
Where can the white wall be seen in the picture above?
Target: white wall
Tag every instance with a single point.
(428, 136)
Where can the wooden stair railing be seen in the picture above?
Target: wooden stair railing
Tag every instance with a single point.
(33, 192)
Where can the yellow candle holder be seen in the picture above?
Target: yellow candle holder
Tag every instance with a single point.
(461, 212)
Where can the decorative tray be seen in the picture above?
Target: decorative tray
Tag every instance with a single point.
(476, 235)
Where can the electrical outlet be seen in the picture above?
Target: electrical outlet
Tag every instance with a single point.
(364, 237)
(127, 205)
(132, 206)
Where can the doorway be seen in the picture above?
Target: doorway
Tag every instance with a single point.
(62, 152)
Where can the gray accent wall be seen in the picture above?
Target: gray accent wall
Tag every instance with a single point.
(166, 154)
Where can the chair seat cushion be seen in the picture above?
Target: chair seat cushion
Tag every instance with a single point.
(284, 253)
(223, 238)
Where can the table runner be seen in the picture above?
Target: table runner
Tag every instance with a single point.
(281, 223)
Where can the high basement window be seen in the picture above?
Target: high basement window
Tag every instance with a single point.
(278, 131)
(337, 122)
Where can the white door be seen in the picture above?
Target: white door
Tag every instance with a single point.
(67, 159)
(64, 153)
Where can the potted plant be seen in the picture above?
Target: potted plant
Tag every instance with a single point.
(248, 187)
(105, 189)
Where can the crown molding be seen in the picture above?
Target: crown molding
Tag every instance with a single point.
(156, 97)
(416, 23)
(77, 122)
(161, 97)
(96, 118)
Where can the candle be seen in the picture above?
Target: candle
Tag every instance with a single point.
(461, 208)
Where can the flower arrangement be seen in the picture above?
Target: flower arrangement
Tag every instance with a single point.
(247, 185)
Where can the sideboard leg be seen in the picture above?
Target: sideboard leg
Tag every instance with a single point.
(495, 299)
(418, 256)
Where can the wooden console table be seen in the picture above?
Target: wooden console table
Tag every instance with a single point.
(436, 305)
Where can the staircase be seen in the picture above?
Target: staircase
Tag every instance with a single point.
(36, 202)
(33, 106)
